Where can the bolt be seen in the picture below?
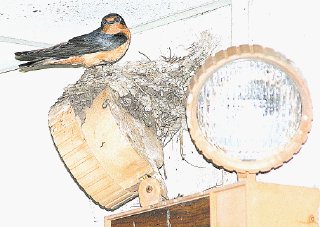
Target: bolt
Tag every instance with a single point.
(311, 219)
(149, 189)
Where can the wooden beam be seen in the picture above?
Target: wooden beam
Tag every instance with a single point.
(247, 204)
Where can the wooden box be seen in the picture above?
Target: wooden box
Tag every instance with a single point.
(250, 204)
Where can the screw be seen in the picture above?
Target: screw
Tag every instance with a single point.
(149, 189)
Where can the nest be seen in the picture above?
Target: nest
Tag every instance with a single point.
(153, 92)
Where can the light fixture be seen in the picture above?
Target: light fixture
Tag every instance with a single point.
(248, 109)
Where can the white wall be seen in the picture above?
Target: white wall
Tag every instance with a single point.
(291, 28)
(35, 188)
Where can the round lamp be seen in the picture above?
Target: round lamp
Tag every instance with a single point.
(248, 109)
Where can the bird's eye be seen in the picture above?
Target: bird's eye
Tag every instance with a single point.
(117, 20)
(111, 19)
(108, 21)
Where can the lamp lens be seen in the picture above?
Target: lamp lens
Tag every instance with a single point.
(249, 108)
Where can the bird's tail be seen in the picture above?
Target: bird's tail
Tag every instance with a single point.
(30, 55)
(35, 65)
(28, 66)
(22, 56)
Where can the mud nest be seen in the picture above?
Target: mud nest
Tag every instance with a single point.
(152, 91)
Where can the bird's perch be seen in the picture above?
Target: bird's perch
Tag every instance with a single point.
(111, 126)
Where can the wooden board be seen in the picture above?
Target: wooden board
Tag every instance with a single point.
(248, 204)
(192, 213)
(184, 211)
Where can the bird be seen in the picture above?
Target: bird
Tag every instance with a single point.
(105, 45)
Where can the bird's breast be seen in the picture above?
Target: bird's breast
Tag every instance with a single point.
(110, 56)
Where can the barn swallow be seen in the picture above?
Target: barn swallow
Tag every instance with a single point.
(105, 45)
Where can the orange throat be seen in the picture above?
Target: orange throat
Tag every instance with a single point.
(114, 29)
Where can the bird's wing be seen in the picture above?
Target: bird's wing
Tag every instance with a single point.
(85, 44)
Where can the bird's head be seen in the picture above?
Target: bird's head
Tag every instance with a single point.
(113, 23)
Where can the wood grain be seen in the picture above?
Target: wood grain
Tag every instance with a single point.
(192, 213)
